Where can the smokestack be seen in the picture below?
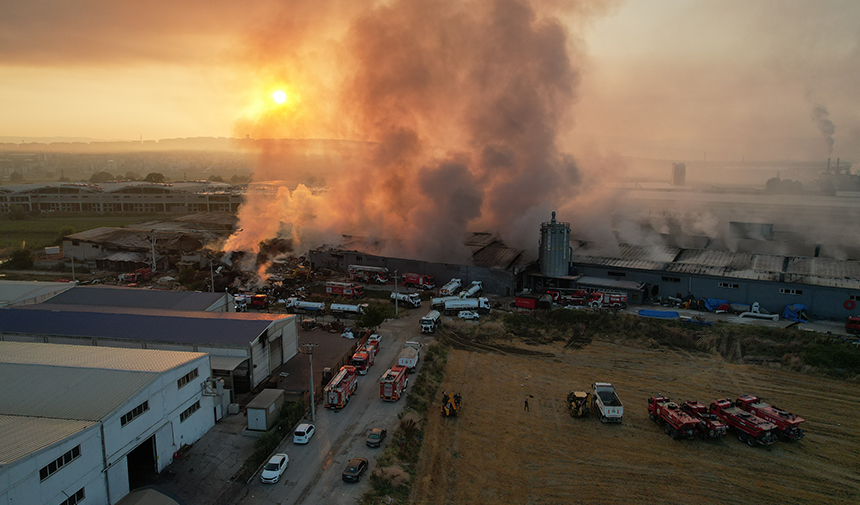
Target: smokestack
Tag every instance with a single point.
(828, 165)
(837, 165)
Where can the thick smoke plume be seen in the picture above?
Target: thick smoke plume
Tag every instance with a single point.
(460, 105)
(822, 121)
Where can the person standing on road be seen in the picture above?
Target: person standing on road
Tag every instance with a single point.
(526, 405)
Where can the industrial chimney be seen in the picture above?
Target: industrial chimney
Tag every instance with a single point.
(554, 252)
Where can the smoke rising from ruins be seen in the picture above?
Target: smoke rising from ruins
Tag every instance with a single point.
(461, 105)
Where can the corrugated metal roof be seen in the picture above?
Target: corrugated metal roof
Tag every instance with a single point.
(21, 435)
(59, 392)
(618, 263)
(652, 253)
(718, 271)
(141, 298)
(224, 328)
(15, 292)
(823, 267)
(80, 356)
(823, 281)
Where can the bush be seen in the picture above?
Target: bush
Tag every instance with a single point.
(20, 260)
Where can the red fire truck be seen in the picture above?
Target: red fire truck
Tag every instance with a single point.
(598, 299)
(393, 382)
(749, 427)
(347, 289)
(420, 281)
(363, 358)
(709, 425)
(341, 387)
(787, 424)
(363, 273)
(676, 422)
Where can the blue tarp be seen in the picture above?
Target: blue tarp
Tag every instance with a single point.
(792, 312)
(660, 314)
(713, 303)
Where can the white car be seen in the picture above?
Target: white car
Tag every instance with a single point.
(275, 468)
(303, 433)
(468, 314)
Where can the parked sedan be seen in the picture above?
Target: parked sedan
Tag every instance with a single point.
(354, 469)
(468, 314)
(303, 433)
(375, 437)
(275, 468)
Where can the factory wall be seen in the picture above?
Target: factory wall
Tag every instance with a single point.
(495, 281)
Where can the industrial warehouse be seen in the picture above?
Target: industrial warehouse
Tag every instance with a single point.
(92, 422)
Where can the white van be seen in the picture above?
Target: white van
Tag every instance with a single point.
(303, 433)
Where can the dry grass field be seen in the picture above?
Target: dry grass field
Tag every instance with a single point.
(496, 453)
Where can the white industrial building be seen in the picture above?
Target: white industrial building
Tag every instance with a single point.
(83, 424)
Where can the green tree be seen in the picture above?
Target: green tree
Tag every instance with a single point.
(18, 213)
(16, 177)
(154, 177)
(240, 179)
(216, 178)
(373, 316)
(133, 176)
(101, 177)
(20, 260)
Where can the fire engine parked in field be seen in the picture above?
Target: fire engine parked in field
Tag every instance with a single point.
(393, 382)
(710, 425)
(361, 273)
(749, 427)
(420, 281)
(341, 387)
(787, 424)
(676, 422)
(347, 289)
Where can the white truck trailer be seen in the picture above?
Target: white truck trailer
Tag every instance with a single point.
(481, 305)
(474, 288)
(409, 355)
(451, 287)
(410, 299)
(607, 403)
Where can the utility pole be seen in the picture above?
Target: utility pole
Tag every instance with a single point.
(396, 301)
(310, 348)
(211, 277)
(73, 267)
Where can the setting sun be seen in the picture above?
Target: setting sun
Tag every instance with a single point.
(279, 96)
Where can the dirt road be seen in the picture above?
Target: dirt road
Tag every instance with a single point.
(495, 452)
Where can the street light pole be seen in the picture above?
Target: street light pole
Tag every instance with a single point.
(396, 301)
(211, 277)
(310, 348)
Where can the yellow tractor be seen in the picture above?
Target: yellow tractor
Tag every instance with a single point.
(451, 404)
(577, 403)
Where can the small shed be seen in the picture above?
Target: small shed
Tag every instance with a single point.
(264, 409)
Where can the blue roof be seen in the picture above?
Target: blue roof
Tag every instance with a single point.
(216, 328)
(138, 298)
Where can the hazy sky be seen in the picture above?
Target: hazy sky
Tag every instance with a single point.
(649, 69)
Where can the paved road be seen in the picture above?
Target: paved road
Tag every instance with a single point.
(314, 474)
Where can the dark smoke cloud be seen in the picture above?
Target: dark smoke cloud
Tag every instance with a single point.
(464, 103)
(822, 121)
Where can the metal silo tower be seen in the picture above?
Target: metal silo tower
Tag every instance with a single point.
(554, 248)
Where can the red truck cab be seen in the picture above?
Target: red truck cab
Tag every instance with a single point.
(787, 424)
(710, 425)
(675, 421)
(749, 427)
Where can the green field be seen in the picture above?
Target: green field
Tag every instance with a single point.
(35, 233)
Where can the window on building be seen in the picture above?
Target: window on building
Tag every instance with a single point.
(52, 467)
(785, 291)
(855, 298)
(616, 274)
(728, 285)
(76, 498)
(135, 412)
(190, 410)
(671, 279)
(185, 379)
